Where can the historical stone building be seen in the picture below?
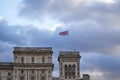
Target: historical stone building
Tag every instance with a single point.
(69, 65)
(30, 63)
(35, 63)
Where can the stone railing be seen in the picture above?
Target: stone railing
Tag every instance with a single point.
(32, 48)
(69, 52)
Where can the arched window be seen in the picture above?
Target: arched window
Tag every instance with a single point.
(73, 67)
(70, 67)
(65, 67)
(22, 71)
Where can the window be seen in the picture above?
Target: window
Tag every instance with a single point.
(78, 64)
(22, 59)
(73, 73)
(49, 71)
(32, 78)
(15, 71)
(61, 66)
(65, 77)
(69, 67)
(78, 68)
(32, 71)
(69, 77)
(73, 67)
(9, 79)
(65, 73)
(73, 77)
(65, 67)
(21, 78)
(33, 60)
(22, 71)
(42, 78)
(78, 73)
(43, 71)
(69, 74)
(15, 76)
(9, 74)
(43, 60)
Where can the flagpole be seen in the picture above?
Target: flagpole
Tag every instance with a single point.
(65, 33)
(68, 42)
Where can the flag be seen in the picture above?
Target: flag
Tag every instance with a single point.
(63, 33)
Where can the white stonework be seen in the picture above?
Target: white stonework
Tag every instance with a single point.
(30, 63)
(69, 65)
(35, 63)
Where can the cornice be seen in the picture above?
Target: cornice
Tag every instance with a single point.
(33, 65)
(34, 52)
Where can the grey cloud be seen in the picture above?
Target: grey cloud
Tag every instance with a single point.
(92, 28)
(107, 64)
(10, 33)
(84, 39)
(91, 37)
(67, 10)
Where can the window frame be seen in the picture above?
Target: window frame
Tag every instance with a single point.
(43, 59)
(32, 60)
(22, 59)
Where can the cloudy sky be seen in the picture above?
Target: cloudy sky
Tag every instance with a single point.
(93, 25)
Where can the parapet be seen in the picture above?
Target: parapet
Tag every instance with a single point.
(35, 50)
(69, 52)
(32, 49)
(69, 55)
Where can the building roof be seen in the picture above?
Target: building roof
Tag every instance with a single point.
(69, 54)
(32, 49)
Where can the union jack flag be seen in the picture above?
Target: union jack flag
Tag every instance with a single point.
(63, 33)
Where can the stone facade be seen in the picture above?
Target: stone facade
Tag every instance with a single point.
(30, 63)
(35, 63)
(6, 71)
(86, 77)
(69, 65)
